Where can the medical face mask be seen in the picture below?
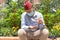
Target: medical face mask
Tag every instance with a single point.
(31, 13)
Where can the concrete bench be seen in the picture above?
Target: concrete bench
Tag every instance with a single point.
(9, 38)
(17, 38)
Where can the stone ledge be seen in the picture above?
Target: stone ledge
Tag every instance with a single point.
(17, 38)
(9, 38)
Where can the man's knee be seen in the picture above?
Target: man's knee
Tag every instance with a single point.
(45, 32)
(21, 32)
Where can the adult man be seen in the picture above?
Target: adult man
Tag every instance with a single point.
(32, 24)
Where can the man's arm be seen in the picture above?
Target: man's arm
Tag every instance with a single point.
(23, 26)
(41, 21)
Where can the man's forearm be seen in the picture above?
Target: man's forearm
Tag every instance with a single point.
(41, 26)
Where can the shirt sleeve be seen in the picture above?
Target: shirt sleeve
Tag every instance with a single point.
(42, 26)
(23, 26)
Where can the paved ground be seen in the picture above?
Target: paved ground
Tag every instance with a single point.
(9, 38)
(16, 38)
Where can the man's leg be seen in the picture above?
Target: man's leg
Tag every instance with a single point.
(22, 34)
(44, 34)
(30, 35)
(37, 34)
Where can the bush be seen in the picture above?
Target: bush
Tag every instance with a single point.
(51, 19)
(8, 31)
(12, 19)
(55, 31)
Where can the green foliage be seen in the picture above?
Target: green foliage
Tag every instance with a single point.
(13, 4)
(4, 31)
(15, 19)
(20, 3)
(49, 19)
(8, 31)
(55, 31)
(12, 18)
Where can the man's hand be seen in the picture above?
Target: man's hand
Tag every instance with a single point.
(33, 27)
(39, 21)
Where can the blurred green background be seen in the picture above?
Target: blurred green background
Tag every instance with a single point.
(10, 16)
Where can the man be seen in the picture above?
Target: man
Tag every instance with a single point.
(32, 24)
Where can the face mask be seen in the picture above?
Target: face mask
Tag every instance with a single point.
(31, 13)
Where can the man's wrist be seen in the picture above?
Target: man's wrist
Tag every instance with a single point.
(29, 27)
